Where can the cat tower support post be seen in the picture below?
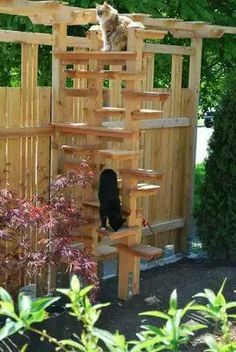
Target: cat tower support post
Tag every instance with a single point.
(58, 91)
(129, 265)
(194, 86)
(175, 141)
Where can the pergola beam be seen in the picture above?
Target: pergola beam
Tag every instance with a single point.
(8, 36)
(190, 29)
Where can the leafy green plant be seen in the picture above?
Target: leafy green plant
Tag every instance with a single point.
(216, 310)
(199, 177)
(173, 334)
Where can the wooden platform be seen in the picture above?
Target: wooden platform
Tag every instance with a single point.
(122, 233)
(78, 150)
(110, 112)
(104, 252)
(144, 190)
(144, 114)
(120, 154)
(84, 129)
(145, 96)
(142, 174)
(141, 250)
(69, 57)
(105, 74)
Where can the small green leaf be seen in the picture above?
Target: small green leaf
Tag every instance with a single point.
(156, 314)
(24, 303)
(74, 284)
(10, 328)
(4, 295)
(85, 290)
(173, 300)
(24, 348)
(43, 303)
(210, 295)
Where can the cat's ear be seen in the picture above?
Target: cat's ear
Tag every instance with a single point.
(105, 4)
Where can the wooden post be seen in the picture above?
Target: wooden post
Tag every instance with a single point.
(129, 265)
(58, 88)
(194, 86)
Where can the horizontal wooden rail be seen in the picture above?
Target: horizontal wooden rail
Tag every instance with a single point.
(164, 226)
(95, 55)
(26, 131)
(168, 49)
(153, 124)
(150, 34)
(8, 36)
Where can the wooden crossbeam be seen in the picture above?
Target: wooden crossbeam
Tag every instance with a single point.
(150, 96)
(141, 250)
(76, 57)
(83, 129)
(104, 74)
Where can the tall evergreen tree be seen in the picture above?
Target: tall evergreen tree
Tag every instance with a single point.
(217, 218)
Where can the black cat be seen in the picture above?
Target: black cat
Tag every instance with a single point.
(108, 195)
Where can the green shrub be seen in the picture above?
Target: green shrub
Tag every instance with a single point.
(199, 176)
(217, 214)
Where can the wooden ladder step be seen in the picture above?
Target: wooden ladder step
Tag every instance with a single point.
(144, 114)
(144, 190)
(84, 129)
(69, 57)
(120, 154)
(104, 252)
(87, 241)
(76, 92)
(78, 150)
(150, 33)
(109, 112)
(144, 96)
(141, 250)
(142, 174)
(105, 74)
(125, 211)
(122, 233)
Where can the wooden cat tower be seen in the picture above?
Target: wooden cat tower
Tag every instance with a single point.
(111, 143)
(127, 241)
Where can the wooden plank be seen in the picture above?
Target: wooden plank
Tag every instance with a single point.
(104, 74)
(18, 132)
(194, 85)
(120, 154)
(142, 174)
(81, 128)
(144, 190)
(67, 56)
(143, 114)
(164, 226)
(124, 232)
(151, 96)
(168, 49)
(110, 112)
(150, 34)
(141, 250)
(77, 92)
(155, 124)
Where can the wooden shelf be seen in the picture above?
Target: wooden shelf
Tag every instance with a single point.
(84, 129)
(87, 241)
(84, 149)
(122, 233)
(76, 57)
(150, 96)
(105, 74)
(104, 252)
(150, 34)
(142, 174)
(120, 154)
(144, 190)
(109, 112)
(74, 92)
(141, 250)
(144, 114)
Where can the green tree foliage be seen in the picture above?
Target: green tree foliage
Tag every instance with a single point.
(217, 214)
(219, 55)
